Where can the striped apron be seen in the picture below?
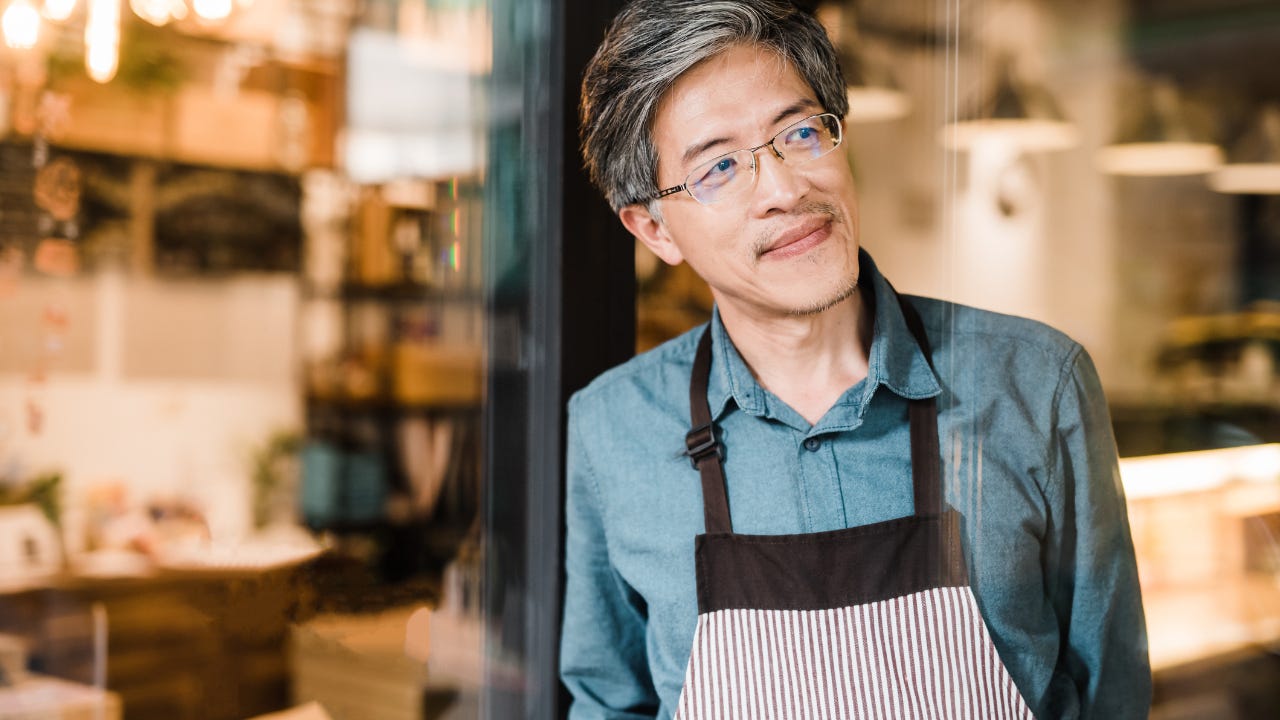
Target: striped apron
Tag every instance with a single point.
(875, 621)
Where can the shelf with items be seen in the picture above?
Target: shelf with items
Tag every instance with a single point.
(393, 365)
(405, 291)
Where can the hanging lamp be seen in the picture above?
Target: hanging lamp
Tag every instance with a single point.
(1159, 135)
(874, 93)
(1254, 161)
(1016, 111)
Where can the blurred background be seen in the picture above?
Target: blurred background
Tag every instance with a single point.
(292, 293)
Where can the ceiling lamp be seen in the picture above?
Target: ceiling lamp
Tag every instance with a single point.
(21, 23)
(1160, 136)
(874, 94)
(59, 10)
(1254, 167)
(1017, 112)
(156, 12)
(102, 40)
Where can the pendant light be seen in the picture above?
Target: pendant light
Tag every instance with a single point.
(874, 93)
(1254, 167)
(1160, 135)
(1016, 111)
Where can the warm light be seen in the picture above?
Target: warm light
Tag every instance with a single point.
(156, 12)
(102, 40)
(1027, 134)
(1247, 178)
(1253, 167)
(59, 10)
(1017, 112)
(1159, 475)
(1159, 158)
(212, 9)
(21, 25)
(876, 104)
(102, 61)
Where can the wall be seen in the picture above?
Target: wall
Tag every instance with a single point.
(168, 385)
(1110, 261)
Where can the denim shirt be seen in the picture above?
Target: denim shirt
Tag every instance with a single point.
(1029, 461)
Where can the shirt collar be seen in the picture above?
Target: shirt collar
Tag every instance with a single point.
(895, 361)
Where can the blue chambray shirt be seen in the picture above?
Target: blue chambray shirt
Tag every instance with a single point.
(1029, 460)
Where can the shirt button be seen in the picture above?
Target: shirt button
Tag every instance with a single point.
(812, 444)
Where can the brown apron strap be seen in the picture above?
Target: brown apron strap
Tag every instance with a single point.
(926, 454)
(702, 446)
(705, 451)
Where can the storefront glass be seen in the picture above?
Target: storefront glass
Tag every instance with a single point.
(292, 293)
(1108, 168)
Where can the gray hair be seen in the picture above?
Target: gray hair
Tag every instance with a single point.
(652, 43)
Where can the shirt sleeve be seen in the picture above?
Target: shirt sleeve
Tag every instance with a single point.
(1091, 570)
(603, 661)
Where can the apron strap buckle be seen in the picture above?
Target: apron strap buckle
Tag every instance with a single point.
(701, 443)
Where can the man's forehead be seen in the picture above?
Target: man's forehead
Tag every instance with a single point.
(725, 96)
(739, 69)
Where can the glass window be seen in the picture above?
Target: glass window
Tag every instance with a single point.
(1110, 169)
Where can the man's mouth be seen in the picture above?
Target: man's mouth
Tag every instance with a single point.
(799, 239)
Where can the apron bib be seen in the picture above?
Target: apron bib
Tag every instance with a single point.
(875, 621)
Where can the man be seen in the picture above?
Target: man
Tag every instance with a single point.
(830, 501)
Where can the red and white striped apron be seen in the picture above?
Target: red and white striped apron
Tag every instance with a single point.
(875, 621)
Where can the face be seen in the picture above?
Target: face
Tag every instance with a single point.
(788, 245)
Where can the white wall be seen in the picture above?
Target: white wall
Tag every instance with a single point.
(930, 218)
(166, 386)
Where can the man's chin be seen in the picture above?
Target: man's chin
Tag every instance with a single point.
(825, 302)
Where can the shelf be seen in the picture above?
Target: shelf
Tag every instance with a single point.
(387, 406)
(395, 292)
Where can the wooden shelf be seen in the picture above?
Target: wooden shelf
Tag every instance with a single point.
(400, 292)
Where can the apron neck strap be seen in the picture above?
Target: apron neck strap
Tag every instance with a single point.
(705, 451)
(703, 446)
(926, 453)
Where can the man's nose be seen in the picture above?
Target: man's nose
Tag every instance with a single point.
(778, 185)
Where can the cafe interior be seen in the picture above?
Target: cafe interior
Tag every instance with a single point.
(293, 294)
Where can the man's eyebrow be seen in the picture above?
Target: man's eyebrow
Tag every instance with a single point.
(697, 149)
(694, 151)
(795, 108)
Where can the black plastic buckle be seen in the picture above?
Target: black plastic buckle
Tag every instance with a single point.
(701, 442)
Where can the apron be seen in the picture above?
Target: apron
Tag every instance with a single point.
(875, 621)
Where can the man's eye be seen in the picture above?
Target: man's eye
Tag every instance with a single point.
(719, 172)
(804, 134)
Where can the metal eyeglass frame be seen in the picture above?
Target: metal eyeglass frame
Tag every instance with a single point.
(839, 138)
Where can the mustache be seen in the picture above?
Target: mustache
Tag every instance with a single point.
(761, 243)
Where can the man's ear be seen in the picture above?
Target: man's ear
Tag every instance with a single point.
(652, 232)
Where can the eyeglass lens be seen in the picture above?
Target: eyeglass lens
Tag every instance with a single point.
(732, 173)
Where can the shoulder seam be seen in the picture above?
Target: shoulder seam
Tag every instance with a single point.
(1051, 447)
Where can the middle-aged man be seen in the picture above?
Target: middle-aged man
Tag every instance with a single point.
(830, 501)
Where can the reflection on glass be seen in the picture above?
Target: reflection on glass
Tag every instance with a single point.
(242, 363)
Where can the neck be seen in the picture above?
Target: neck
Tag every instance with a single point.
(808, 361)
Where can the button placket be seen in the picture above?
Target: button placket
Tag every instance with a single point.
(820, 488)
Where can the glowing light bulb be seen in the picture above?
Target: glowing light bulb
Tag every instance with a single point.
(102, 40)
(59, 10)
(212, 9)
(156, 12)
(102, 61)
(21, 23)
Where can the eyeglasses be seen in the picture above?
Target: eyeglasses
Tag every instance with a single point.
(731, 174)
